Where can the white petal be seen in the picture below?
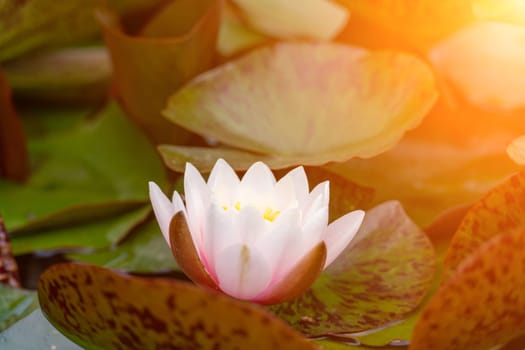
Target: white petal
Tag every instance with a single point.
(242, 271)
(163, 208)
(318, 198)
(251, 225)
(220, 231)
(309, 235)
(292, 186)
(279, 244)
(257, 185)
(223, 183)
(197, 198)
(340, 233)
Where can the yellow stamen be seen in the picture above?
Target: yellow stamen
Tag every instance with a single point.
(225, 207)
(238, 206)
(270, 214)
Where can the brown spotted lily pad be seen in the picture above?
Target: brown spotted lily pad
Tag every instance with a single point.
(500, 211)
(380, 278)
(101, 309)
(302, 103)
(482, 305)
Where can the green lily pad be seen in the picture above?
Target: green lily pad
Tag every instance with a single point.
(43, 335)
(101, 309)
(95, 234)
(144, 251)
(72, 74)
(483, 299)
(15, 304)
(308, 103)
(98, 169)
(380, 278)
(501, 210)
(35, 24)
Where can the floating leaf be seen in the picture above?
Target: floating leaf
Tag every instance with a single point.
(409, 19)
(97, 234)
(96, 170)
(14, 162)
(308, 103)
(234, 35)
(98, 308)
(483, 299)
(380, 278)
(313, 19)
(73, 74)
(512, 11)
(143, 251)
(484, 61)
(15, 304)
(34, 24)
(453, 158)
(516, 150)
(500, 210)
(175, 46)
(8, 267)
(43, 335)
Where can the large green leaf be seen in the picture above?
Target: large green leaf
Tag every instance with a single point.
(144, 251)
(43, 335)
(98, 169)
(100, 309)
(98, 233)
(15, 304)
(308, 103)
(72, 74)
(34, 24)
(380, 278)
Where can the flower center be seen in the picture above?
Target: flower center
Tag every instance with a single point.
(268, 214)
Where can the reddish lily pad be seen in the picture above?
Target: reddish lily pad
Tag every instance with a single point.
(14, 162)
(380, 278)
(308, 103)
(98, 308)
(483, 299)
(176, 45)
(500, 210)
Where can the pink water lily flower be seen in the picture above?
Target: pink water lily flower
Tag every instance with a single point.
(256, 238)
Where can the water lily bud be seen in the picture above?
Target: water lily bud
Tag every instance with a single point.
(253, 238)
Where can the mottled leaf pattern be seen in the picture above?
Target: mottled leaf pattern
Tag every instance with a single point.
(99, 308)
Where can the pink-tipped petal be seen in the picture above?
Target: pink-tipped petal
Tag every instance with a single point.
(223, 182)
(185, 253)
(242, 271)
(163, 208)
(340, 233)
(297, 280)
(219, 231)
